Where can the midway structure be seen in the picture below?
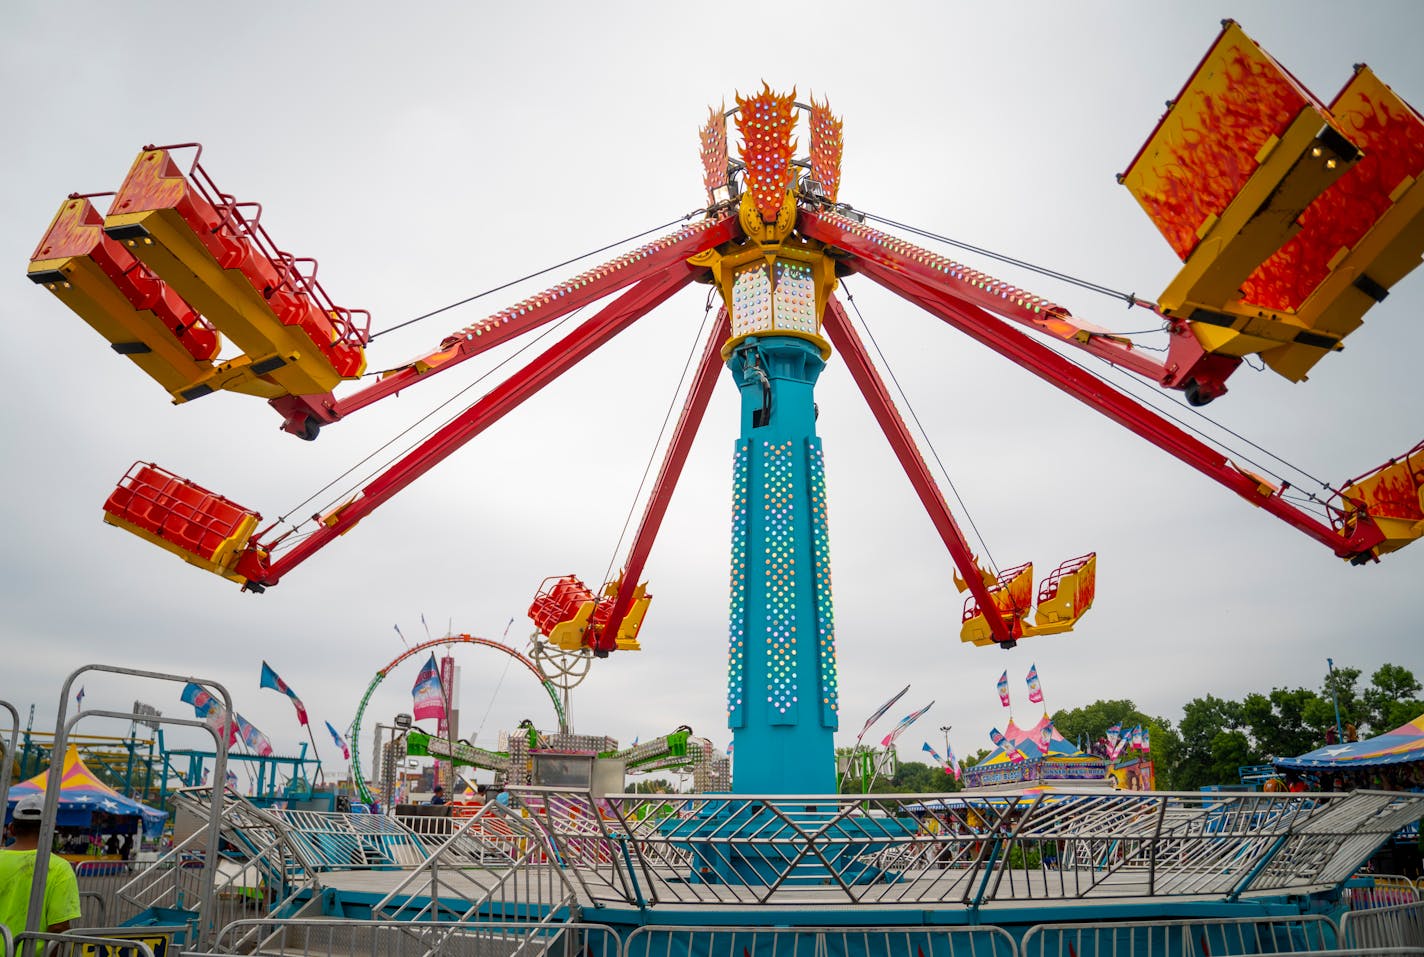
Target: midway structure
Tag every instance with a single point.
(176, 262)
(1321, 213)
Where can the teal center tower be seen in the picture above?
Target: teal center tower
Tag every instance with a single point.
(782, 688)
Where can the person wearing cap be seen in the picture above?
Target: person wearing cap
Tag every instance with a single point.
(17, 871)
(439, 795)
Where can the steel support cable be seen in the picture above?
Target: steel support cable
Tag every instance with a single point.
(667, 417)
(1132, 300)
(533, 275)
(1156, 392)
(1129, 297)
(493, 697)
(1205, 436)
(549, 330)
(964, 509)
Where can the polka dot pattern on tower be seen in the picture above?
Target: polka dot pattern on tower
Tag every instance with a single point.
(778, 464)
(737, 600)
(821, 561)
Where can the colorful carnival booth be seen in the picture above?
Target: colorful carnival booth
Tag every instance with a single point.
(1037, 755)
(1400, 746)
(90, 812)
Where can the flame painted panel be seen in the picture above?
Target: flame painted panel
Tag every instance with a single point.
(1391, 134)
(1213, 137)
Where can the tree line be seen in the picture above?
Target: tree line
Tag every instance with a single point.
(1216, 736)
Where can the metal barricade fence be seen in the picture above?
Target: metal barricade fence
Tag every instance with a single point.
(369, 938)
(1384, 890)
(737, 941)
(1307, 933)
(99, 884)
(1399, 926)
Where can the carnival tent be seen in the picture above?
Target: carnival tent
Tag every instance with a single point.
(81, 794)
(1400, 746)
(1035, 754)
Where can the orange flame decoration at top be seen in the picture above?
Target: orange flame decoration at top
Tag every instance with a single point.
(1392, 136)
(765, 122)
(826, 145)
(714, 150)
(1215, 155)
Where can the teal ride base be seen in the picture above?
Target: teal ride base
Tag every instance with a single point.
(782, 694)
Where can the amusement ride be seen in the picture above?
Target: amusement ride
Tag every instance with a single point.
(1292, 217)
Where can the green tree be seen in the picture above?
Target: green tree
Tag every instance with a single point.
(1230, 750)
(1339, 690)
(655, 786)
(1201, 758)
(1091, 722)
(1390, 700)
(1280, 724)
(914, 777)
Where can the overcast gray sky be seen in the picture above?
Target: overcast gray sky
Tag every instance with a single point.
(426, 152)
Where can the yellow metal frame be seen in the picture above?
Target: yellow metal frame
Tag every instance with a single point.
(223, 559)
(769, 243)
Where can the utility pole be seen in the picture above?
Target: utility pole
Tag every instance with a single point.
(1335, 699)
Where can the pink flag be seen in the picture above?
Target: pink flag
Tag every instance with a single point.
(1035, 690)
(880, 711)
(905, 722)
(428, 694)
(997, 736)
(270, 679)
(1004, 688)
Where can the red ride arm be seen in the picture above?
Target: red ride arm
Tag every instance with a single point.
(261, 571)
(669, 252)
(1086, 388)
(969, 285)
(848, 345)
(698, 397)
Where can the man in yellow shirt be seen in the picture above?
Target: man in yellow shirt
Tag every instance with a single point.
(17, 871)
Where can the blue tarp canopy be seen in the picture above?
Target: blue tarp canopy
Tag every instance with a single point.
(1400, 746)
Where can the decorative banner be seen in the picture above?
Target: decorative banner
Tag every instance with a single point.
(1113, 737)
(1146, 739)
(254, 739)
(1004, 689)
(208, 708)
(1035, 690)
(997, 736)
(429, 696)
(880, 711)
(270, 680)
(340, 741)
(950, 765)
(1045, 736)
(905, 722)
(79, 698)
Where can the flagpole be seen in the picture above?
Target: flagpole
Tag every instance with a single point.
(874, 717)
(312, 738)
